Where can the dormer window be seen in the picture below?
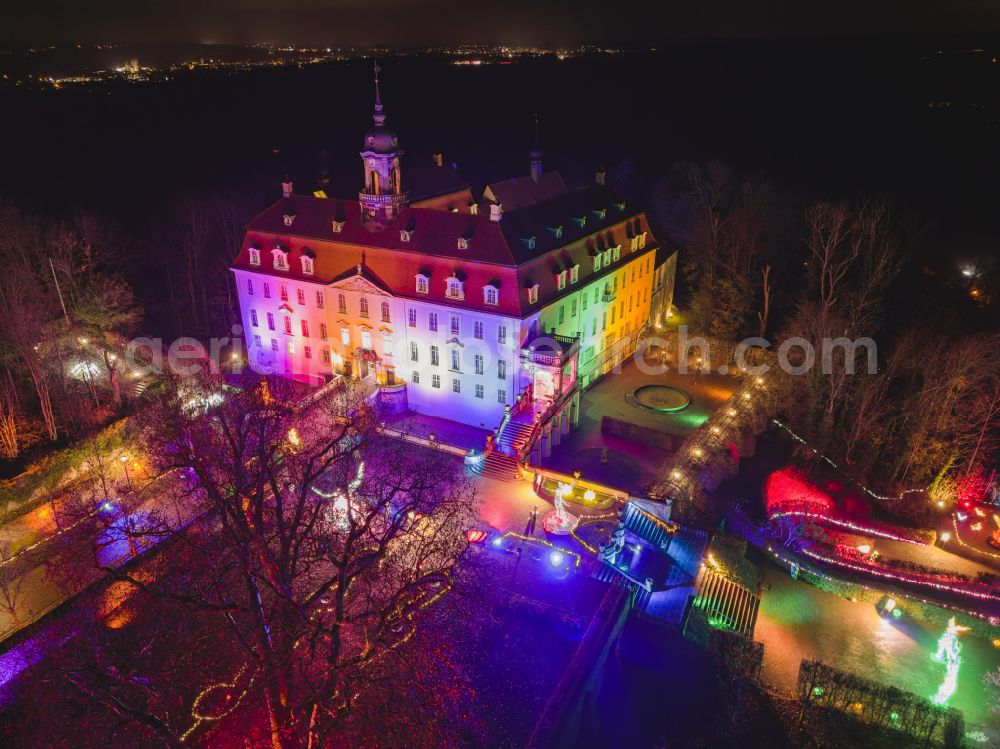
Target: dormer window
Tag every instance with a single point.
(288, 218)
(533, 294)
(529, 242)
(473, 209)
(600, 214)
(607, 257)
(307, 265)
(617, 252)
(337, 226)
(597, 262)
(454, 288)
(561, 280)
(463, 243)
(580, 221)
(491, 295)
(405, 235)
(423, 283)
(620, 207)
(280, 255)
(254, 256)
(557, 231)
(574, 273)
(642, 240)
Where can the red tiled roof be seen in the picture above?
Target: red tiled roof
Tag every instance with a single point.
(519, 192)
(434, 232)
(498, 253)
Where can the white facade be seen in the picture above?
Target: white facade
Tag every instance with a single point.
(460, 364)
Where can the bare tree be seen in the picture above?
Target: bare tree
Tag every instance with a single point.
(12, 590)
(765, 309)
(317, 549)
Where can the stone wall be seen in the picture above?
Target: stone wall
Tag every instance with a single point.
(639, 434)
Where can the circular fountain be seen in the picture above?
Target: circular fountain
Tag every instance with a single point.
(662, 399)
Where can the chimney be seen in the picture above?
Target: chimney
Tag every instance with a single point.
(600, 177)
(438, 158)
(496, 211)
(286, 189)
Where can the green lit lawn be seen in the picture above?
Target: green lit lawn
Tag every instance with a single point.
(799, 621)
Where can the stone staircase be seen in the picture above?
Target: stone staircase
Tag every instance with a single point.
(497, 466)
(516, 433)
(646, 526)
(135, 388)
(640, 596)
(726, 603)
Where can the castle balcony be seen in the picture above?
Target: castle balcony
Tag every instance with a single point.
(550, 350)
(384, 199)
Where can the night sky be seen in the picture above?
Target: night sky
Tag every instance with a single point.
(362, 22)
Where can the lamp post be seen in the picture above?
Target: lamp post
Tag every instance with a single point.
(128, 479)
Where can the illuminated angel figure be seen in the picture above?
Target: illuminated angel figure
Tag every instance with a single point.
(560, 503)
(949, 651)
(560, 520)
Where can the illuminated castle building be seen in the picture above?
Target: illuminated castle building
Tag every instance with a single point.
(465, 306)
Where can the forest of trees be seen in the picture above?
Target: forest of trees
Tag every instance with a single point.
(77, 288)
(757, 262)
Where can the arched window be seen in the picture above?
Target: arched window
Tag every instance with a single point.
(307, 265)
(385, 312)
(490, 294)
(364, 307)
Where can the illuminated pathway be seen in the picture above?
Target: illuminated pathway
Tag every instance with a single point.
(34, 593)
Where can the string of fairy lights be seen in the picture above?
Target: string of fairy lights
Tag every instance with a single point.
(827, 459)
(850, 525)
(875, 495)
(958, 538)
(789, 561)
(59, 532)
(959, 590)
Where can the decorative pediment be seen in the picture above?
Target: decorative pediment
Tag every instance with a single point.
(359, 285)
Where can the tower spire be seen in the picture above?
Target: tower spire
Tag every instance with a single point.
(379, 117)
(382, 196)
(536, 154)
